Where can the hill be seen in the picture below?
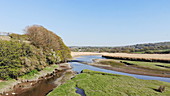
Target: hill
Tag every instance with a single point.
(159, 48)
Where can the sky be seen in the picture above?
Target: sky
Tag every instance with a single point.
(91, 22)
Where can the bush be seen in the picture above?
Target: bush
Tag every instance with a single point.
(50, 42)
(17, 59)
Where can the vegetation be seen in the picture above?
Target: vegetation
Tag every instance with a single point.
(139, 64)
(139, 57)
(36, 74)
(137, 67)
(19, 58)
(43, 38)
(113, 63)
(149, 65)
(151, 48)
(105, 84)
(33, 75)
(18, 37)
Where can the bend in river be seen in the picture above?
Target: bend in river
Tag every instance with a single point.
(45, 86)
(78, 67)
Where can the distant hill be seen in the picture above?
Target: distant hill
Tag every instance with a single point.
(159, 48)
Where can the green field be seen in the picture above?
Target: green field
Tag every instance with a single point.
(105, 84)
(152, 65)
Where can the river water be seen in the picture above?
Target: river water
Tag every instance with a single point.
(78, 67)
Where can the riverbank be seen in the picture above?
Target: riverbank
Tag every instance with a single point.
(105, 84)
(133, 67)
(77, 54)
(12, 87)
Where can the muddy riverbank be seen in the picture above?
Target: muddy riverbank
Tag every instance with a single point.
(130, 69)
(43, 85)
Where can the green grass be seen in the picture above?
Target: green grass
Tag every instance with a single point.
(67, 89)
(150, 65)
(113, 63)
(30, 75)
(34, 73)
(141, 64)
(50, 68)
(105, 84)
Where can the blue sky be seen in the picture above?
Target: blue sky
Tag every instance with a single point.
(91, 22)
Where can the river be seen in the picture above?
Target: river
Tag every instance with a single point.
(78, 67)
(47, 85)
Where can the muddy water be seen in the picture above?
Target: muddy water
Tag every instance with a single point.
(38, 88)
(41, 88)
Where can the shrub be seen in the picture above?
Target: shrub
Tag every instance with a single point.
(17, 58)
(43, 38)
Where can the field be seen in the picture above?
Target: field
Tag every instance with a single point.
(139, 57)
(128, 56)
(105, 84)
(75, 54)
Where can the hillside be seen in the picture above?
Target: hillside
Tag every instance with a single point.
(159, 48)
(18, 57)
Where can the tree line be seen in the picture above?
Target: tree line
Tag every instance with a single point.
(151, 48)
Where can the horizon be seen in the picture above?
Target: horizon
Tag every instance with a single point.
(120, 45)
(92, 23)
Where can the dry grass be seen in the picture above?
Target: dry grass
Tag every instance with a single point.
(151, 57)
(75, 54)
(165, 57)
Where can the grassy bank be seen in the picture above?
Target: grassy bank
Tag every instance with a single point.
(105, 84)
(34, 75)
(140, 64)
(150, 65)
